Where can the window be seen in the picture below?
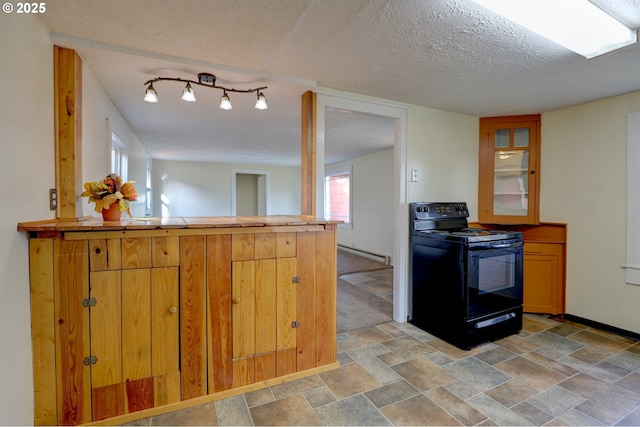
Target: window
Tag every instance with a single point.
(148, 188)
(632, 265)
(119, 157)
(337, 193)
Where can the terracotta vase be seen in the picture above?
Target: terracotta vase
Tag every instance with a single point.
(113, 213)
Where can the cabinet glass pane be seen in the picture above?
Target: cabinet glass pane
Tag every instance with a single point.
(521, 137)
(511, 182)
(501, 138)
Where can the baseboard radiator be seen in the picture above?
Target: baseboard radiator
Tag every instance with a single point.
(378, 257)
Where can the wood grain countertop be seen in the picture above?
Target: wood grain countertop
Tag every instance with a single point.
(156, 223)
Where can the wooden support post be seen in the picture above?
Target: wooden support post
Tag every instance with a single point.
(308, 154)
(68, 128)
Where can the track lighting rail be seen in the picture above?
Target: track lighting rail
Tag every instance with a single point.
(206, 80)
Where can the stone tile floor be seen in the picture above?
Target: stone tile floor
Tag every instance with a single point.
(378, 282)
(554, 372)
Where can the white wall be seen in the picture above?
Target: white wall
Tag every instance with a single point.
(204, 189)
(443, 148)
(99, 119)
(583, 183)
(372, 210)
(27, 170)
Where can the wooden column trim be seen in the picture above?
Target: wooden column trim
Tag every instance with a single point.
(308, 154)
(68, 131)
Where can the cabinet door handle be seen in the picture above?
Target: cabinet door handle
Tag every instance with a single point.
(236, 301)
(173, 310)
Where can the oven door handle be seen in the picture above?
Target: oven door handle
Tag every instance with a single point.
(507, 245)
(495, 245)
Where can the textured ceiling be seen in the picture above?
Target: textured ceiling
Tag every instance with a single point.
(451, 55)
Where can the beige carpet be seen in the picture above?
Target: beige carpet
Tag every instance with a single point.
(356, 307)
(351, 263)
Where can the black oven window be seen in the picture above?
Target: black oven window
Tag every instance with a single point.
(496, 273)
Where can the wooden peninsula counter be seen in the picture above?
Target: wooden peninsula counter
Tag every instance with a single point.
(142, 316)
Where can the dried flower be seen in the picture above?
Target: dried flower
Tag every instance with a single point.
(111, 190)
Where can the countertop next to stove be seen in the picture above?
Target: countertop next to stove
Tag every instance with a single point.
(544, 232)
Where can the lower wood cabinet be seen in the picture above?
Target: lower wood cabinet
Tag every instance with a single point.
(128, 321)
(544, 278)
(544, 265)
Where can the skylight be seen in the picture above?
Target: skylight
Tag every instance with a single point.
(578, 25)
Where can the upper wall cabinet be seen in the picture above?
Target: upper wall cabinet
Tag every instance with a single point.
(509, 181)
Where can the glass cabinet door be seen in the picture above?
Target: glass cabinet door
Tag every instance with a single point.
(508, 171)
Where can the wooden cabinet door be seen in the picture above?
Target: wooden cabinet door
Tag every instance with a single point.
(136, 324)
(243, 276)
(264, 306)
(243, 320)
(286, 316)
(165, 321)
(509, 178)
(543, 271)
(107, 393)
(265, 321)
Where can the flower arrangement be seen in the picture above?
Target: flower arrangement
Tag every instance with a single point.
(111, 190)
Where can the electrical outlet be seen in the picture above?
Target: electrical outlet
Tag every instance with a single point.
(414, 175)
(53, 199)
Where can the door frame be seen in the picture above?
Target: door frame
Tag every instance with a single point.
(264, 188)
(329, 99)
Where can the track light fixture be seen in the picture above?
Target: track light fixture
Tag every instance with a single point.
(206, 80)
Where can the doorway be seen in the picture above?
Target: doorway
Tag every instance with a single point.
(399, 115)
(250, 193)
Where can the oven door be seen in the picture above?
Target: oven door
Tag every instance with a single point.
(494, 276)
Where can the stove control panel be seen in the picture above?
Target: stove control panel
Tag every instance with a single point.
(434, 210)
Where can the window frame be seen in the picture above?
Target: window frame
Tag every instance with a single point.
(119, 157)
(632, 264)
(331, 172)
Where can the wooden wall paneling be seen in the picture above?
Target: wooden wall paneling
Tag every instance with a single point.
(136, 324)
(43, 331)
(286, 245)
(166, 389)
(136, 252)
(108, 401)
(243, 371)
(326, 274)
(243, 310)
(286, 303)
(305, 301)
(265, 244)
(220, 366)
(193, 316)
(265, 366)
(165, 251)
(104, 254)
(286, 362)
(308, 154)
(165, 344)
(68, 131)
(106, 328)
(71, 284)
(265, 306)
(243, 247)
(139, 394)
